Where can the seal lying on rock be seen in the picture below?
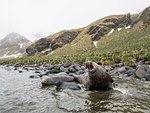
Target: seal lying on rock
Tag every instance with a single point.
(68, 85)
(55, 79)
(97, 78)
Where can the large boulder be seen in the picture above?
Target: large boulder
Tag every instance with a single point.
(141, 72)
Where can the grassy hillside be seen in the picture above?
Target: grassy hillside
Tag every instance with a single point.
(119, 38)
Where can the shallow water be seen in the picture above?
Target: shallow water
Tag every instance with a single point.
(19, 93)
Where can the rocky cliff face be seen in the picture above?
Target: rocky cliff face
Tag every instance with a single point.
(13, 45)
(94, 32)
(52, 42)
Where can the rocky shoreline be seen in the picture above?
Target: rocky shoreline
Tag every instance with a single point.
(141, 72)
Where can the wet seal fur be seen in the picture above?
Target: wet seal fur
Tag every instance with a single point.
(68, 85)
(55, 79)
(97, 78)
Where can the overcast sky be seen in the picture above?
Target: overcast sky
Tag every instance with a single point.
(50, 16)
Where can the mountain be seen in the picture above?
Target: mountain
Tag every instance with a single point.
(13, 45)
(36, 36)
(115, 33)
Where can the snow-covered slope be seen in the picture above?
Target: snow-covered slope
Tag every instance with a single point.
(13, 45)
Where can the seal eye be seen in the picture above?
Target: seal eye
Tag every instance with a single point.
(90, 67)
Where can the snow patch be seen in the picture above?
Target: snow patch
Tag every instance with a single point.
(73, 44)
(46, 50)
(5, 55)
(95, 43)
(11, 56)
(129, 26)
(21, 45)
(119, 29)
(110, 32)
(51, 53)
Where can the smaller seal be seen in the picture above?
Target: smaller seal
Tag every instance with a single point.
(54, 79)
(68, 85)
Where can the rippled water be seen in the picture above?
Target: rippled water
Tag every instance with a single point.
(19, 93)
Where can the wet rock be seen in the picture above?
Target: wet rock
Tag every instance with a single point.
(141, 62)
(72, 70)
(141, 72)
(130, 72)
(77, 68)
(67, 64)
(108, 68)
(79, 72)
(128, 68)
(68, 85)
(122, 70)
(37, 72)
(20, 71)
(83, 68)
(121, 64)
(34, 76)
(147, 76)
(52, 72)
(16, 65)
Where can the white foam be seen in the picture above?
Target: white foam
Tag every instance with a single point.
(129, 26)
(95, 43)
(110, 32)
(119, 29)
(123, 91)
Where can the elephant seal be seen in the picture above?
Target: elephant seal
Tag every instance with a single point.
(96, 79)
(68, 85)
(54, 79)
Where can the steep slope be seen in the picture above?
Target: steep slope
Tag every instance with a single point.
(13, 45)
(104, 35)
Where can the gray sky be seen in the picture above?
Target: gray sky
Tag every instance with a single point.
(50, 16)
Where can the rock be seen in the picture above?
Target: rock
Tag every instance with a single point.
(122, 70)
(141, 62)
(53, 72)
(77, 68)
(141, 72)
(79, 72)
(16, 65)
(39, 46)
(72, 70)
(68, 85)
(37, 72)
(67, 64)
(108, 68)
(130, 72)
(20, 71)
(83, 68)
(147, 76)
(121, 64)
(128, 68)
(34, 76)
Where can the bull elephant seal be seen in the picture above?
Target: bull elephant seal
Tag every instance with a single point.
(54, 79)
(96, 79)
(68, 85)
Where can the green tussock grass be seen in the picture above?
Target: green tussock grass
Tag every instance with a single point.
(125, 46)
